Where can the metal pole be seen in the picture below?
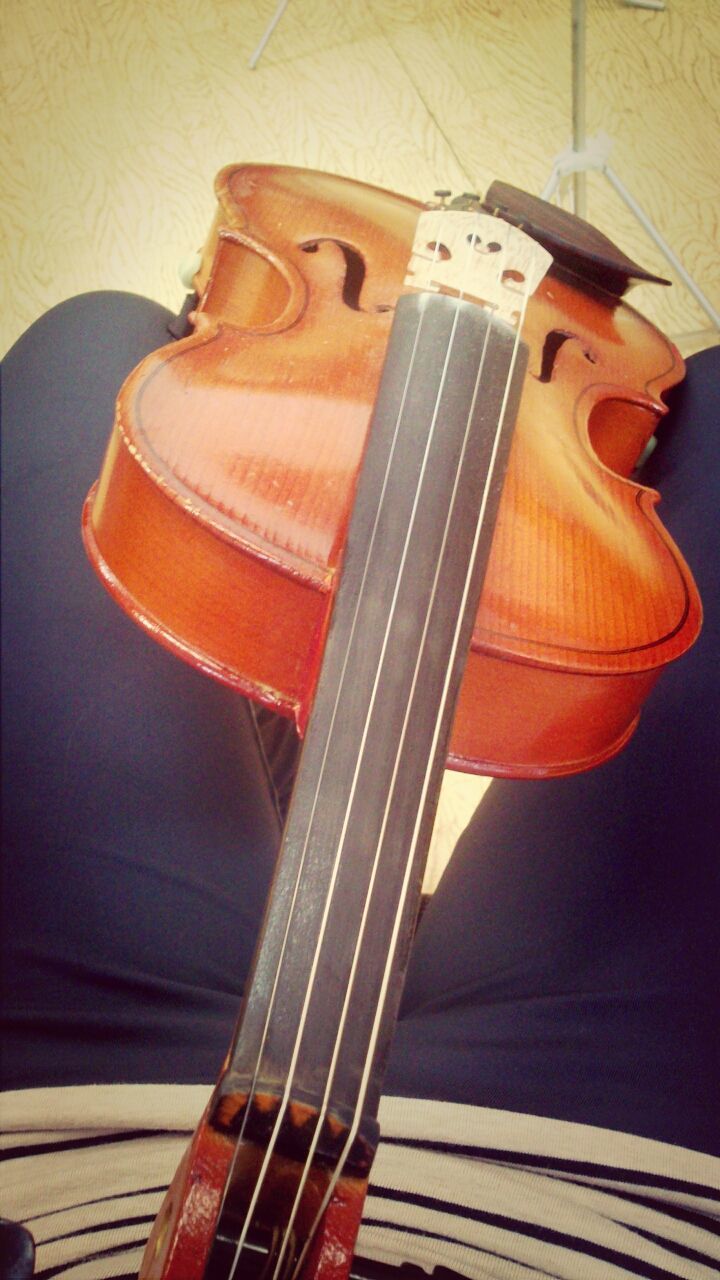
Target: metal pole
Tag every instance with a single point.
(662, 245)
(267, 33)
(578, 103)
(583, 155)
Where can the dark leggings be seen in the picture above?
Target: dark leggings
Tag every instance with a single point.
(567, 965)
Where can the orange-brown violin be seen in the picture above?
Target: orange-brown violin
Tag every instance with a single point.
(220, 517)
(392, 499)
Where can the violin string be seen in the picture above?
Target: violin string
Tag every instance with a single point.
(371, 1050)
(324, 1107)
(323, 1110)
(270, 1148)
(339, 1033)
(365, 1079)
(368, 1064)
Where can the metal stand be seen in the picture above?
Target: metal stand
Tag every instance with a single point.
(586, 154)
(267, 33)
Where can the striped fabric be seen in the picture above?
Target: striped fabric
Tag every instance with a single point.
(482, 1193)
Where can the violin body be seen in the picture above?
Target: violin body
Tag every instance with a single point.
(220, 517)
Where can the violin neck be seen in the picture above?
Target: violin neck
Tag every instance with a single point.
(306, 1067)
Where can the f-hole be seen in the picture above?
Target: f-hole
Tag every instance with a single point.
(551, 346)
(354, 270)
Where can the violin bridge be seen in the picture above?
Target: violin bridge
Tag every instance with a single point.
(477, 256)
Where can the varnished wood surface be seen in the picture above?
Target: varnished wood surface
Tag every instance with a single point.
(118, 115)
(582, 581)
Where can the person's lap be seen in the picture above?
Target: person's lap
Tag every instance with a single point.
(563, 966)
(585, 985)
(140, 833)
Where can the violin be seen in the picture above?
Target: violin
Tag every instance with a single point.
(384, 487)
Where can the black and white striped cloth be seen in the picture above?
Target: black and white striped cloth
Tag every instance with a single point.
(483, 1193)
